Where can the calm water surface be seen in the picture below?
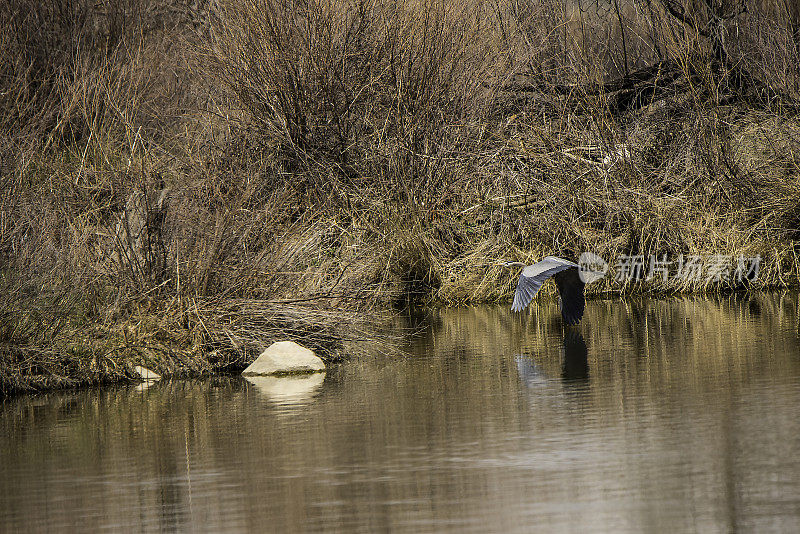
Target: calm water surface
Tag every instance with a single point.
(652, 416)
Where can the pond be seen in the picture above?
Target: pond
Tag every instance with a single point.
(653, 415)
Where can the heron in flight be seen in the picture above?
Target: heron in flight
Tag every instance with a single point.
(568, 279)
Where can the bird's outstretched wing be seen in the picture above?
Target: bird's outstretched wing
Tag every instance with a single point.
(533, 276)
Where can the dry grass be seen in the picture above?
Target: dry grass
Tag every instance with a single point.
(183, 185)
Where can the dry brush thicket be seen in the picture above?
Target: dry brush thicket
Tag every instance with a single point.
(184, 182)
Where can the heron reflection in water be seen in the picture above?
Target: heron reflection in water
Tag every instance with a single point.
(574, 362)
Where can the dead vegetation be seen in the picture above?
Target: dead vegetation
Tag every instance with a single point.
(184, 183)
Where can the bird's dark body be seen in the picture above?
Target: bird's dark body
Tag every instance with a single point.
(570, 290)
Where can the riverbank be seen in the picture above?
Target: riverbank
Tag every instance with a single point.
(181, 187)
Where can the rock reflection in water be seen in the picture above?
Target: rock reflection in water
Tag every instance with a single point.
(287, 390)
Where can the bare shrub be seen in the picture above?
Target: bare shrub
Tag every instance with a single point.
(348, 91)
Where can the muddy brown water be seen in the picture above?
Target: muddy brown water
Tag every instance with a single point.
(653, 415)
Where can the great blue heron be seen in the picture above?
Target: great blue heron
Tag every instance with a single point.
(567, 277)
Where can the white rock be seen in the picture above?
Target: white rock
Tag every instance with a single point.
(285, 357)
(146, 373)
